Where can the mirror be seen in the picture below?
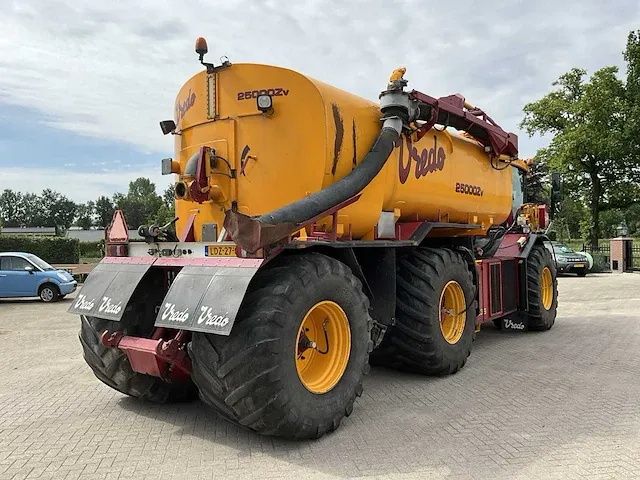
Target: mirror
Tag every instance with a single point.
(29, 268)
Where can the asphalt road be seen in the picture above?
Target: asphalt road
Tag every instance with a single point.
(560, 404)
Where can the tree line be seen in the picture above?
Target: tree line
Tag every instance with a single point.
(141, 205)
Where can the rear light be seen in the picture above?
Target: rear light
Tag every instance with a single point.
(121, 250)
(543, 216)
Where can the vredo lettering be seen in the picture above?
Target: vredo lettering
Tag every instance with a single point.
(428, 161)
(513, 325)
(209, 318)
(172, 315)
(83, 304)
(107, 306)
(183, 107)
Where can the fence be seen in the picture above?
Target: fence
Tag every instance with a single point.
(604, 252)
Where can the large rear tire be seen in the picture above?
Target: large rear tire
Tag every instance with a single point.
(435, 313)
(262, 377)
(542, 287)
(111, 366)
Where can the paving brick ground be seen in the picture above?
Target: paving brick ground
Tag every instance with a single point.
(558, 405)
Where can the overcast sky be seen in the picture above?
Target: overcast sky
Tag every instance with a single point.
(83, 84)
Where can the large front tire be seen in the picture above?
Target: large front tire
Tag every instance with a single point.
(435, 313)
(542, 288)
(262, 377)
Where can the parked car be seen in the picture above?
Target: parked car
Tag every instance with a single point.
(567, 260)
(26, 275)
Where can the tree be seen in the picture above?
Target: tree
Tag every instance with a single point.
(56, 210)
(632, 131)
(587, 121)
(104, 211)
(141, 203)
(169, 196)
(85, 215)
(33, 215)
(537, 187)
(11, 208)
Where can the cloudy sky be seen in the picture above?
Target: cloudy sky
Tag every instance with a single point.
(83, 84)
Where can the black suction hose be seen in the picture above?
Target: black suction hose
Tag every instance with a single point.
(345, 188)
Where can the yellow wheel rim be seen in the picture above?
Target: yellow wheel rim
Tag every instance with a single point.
(321, 364)
(452, 315)
(546, 285)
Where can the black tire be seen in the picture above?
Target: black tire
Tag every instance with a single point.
(111, 366)
(539, 317)
(420, 345)
(250, 377)
(582, 272)
(49, 293)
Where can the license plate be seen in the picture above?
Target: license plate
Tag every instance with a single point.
(220, 250)
(579, 265)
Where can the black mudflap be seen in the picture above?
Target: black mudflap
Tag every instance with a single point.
(108, 289)
(515, 324)
(205, 299)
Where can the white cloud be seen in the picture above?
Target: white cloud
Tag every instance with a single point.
(112, 69)
(79, 186)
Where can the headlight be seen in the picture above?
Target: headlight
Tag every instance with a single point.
(62, 277)
(264, 103)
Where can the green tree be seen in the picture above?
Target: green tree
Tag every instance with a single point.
(104, 211)
(11, 208)
(537, 186)
(34, 215)
(587, 122)
(86, 215)
(141, 203)
(57, 210)
(168, 196)
(632, 130)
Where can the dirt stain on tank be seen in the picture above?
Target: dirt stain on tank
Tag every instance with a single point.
(337, 118)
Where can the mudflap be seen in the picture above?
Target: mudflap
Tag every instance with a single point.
(515, 323)
(205, 298)
(108, 289)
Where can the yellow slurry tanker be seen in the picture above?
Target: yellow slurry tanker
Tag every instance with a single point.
(316, 232)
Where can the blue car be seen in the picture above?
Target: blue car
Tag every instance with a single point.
(26, 275)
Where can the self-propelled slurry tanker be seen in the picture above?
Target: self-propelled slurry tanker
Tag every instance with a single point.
(316, 231)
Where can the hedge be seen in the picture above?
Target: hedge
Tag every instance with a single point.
(90, 249)
(49, 249)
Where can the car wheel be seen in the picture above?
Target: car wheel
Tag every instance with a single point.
(582, 272)
(49, 293)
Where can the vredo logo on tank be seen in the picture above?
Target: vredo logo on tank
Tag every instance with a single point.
(427, 161)
(183, 106)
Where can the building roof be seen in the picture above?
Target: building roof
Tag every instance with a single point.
(96, 235)
(29, 230)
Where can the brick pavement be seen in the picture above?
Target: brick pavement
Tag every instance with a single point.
(561, 404)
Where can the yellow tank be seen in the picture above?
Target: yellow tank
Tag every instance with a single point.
(314, 136)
